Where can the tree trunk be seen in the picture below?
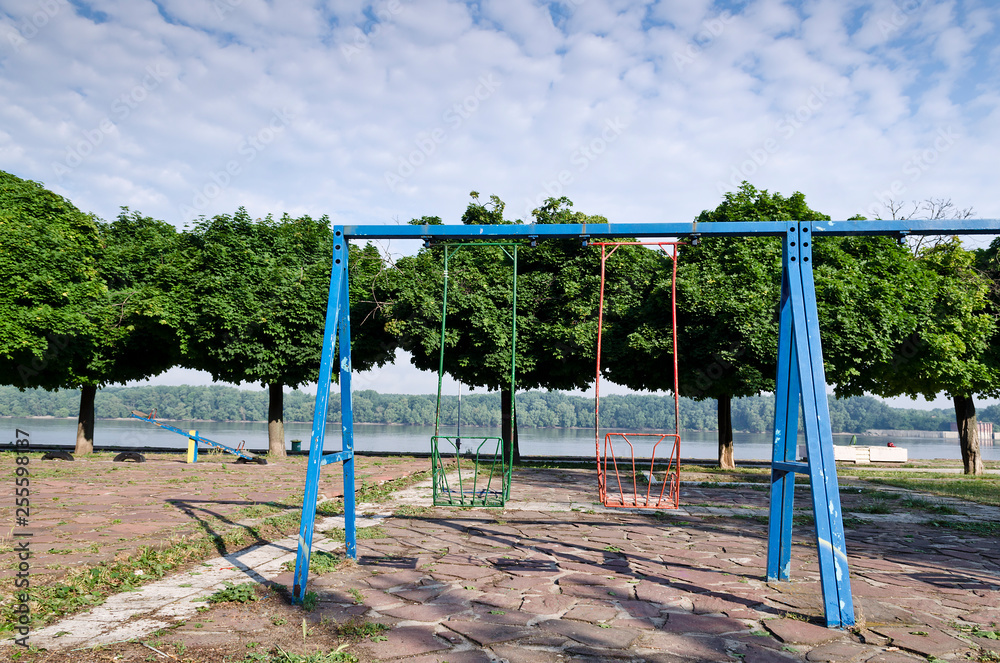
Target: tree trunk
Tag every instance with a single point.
(968, 434)
(275, 421)
(85, 421)
(726, 461)
(508, 426)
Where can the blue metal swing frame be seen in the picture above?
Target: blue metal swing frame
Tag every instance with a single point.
(800, 376)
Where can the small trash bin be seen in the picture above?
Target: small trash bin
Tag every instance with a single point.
(296, 445)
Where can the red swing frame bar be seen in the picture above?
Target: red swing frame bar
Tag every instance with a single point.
(671, 475)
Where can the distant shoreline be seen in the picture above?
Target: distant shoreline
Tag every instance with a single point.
(376, 423)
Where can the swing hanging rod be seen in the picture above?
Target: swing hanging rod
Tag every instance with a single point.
(593, 231)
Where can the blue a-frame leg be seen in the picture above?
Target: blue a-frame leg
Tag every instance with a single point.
(800, 379)
(337, 317)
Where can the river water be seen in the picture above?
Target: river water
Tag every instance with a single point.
(132, 433)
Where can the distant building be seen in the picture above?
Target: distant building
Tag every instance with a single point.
(985, 429)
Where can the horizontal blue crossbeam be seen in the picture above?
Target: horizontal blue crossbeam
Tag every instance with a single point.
(714, 229)
(337, 457)
(801, 468)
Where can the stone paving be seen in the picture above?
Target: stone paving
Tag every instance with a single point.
(554, 577)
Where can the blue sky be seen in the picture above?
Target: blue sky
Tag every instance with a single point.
(381, 112)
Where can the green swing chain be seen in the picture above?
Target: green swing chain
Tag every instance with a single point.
(506, 462)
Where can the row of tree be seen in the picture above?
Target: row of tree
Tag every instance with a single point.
(87, 303)
(535, 409)
(897, 318)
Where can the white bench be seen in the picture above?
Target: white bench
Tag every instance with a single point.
(858, 454)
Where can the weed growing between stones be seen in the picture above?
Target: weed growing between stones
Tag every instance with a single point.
(410, 510)
(362, 533)
(242, 593)
(361, 629)
(321, 562)
(278, 655)
(981, 528)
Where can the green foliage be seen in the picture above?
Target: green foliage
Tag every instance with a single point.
(250, 298)
(359, 629)
(243, 593)
(557, 294)
(50, 249)
(321, 562)
(279, 655)
(727, 295)
(136, 267)
(940, 326)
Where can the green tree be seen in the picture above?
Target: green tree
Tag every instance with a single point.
(80, 311)
(250, 300)
(727, 295)
(136, 340)
(558, 283)
(49, 272)
(949, 345)
(480, 304)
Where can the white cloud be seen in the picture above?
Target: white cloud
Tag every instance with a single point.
(698, 89)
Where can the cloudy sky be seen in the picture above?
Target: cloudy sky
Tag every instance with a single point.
(378, 112)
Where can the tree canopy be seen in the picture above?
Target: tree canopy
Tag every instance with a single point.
(51, 284)
(727, 295)
(82, 308)
(249, 303)
(558, 282)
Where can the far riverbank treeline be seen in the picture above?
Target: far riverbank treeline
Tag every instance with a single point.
(535, 409)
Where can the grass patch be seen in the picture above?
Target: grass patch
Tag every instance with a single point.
(321, 562)
(875, 506)
(972, 527)
(279, 655)
(363, 533)
(259, 510)
(410, 510)
(359, 629)
(243, 593)
(982, 489)
(929, 507)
